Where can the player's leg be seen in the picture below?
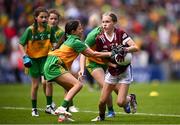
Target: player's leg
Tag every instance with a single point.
(54, 71)
(71, 107)
(123, 100)
(34, 72)
(40, 65)
(74, 71)
(106, 91)
(34, 90)
(43, 81)
(48, 90)
(98, 74)
(72, 85)
(50, 105)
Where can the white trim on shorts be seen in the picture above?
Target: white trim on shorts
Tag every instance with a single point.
(123, 78)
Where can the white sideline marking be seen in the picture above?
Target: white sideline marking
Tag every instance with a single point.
(145, 114)
(148, 114)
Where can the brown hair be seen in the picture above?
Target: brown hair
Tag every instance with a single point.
(36, 13)
(39, 10)
(70, 26)
(54, 11)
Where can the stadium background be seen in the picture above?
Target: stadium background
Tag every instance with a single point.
(153, 24)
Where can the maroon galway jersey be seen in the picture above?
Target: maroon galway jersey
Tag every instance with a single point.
(104, 45)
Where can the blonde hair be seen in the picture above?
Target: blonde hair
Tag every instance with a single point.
(112, 15)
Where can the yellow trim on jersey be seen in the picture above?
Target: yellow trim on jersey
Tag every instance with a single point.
(66, 54)
(38, 48)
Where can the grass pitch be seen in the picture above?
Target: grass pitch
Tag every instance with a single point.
(15, 105)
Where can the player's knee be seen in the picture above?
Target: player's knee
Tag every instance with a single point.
(102, 102)
(79, 85)
(44, 83)
(121, 103)
(49, 85)
(101, 85)
(35, 86)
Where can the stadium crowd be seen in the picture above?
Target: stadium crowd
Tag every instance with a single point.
(153, 24)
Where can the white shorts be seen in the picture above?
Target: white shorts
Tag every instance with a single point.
(123, 78)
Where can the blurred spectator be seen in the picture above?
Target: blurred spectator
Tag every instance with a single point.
(93, 21)
(16, 59)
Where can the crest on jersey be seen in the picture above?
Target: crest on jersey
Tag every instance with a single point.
(124, 35)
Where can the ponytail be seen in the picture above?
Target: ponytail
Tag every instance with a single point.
(70, 26)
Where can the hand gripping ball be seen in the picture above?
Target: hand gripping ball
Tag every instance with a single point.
(123, 60)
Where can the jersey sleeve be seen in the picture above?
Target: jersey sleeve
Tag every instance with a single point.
(25, 36)
(125, 37)
(59, 34)
(91, 37)
(79, 46)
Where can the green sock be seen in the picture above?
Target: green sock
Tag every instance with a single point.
(49, 100)
(34, 103)
(65, 103)
(110, 108)
(70, 103)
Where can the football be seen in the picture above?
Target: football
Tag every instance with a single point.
(123, 61)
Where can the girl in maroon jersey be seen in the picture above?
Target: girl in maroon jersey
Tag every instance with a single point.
(116, 75)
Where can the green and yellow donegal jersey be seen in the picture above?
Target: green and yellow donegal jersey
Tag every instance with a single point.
(91, 42)
(58, 33)
(69, 50)
(37, 44)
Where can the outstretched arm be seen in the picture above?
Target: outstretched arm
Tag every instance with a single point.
(132, 46)
(89, 52)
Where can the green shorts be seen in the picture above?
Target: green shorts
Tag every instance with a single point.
(37, 68)
(93, 65)
(53, 68)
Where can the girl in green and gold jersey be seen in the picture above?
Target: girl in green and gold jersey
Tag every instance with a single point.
(35, 43)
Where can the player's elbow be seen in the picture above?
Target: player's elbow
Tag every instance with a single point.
(136, 48)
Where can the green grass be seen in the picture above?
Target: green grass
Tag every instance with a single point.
(15, 105)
